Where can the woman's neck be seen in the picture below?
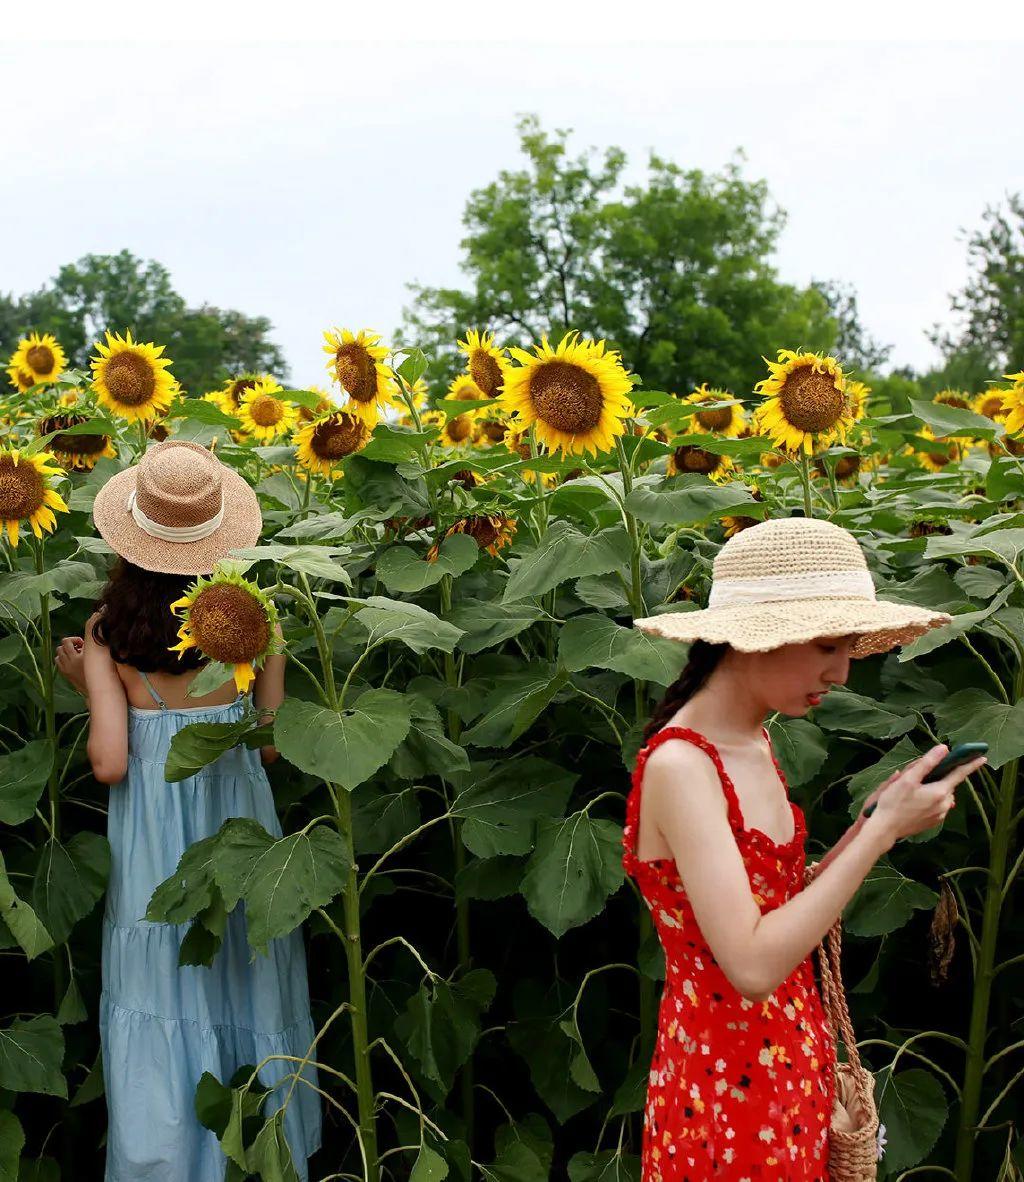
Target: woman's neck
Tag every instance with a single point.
(727, 709)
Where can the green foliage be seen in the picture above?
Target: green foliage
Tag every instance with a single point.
(119, 291)
(676, 270)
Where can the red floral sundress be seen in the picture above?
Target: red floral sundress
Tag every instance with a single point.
(738, 1090)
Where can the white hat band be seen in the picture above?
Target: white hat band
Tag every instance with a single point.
(175, 533)
(770, 588)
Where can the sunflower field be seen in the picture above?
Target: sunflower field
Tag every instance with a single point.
(455, 572)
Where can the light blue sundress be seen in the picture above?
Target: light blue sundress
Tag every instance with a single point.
(162, 1026)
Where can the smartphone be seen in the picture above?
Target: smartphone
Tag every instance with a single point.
(962, 753)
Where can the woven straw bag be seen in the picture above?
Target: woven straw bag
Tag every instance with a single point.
(853, 1138)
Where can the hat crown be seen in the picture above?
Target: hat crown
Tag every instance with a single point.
(179, 483)
(789, 546)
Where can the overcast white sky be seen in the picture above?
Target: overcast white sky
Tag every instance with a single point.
(310, 182)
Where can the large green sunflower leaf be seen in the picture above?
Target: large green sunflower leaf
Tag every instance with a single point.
(885, 901)
(427, 750)
(319, 562)
(955, 420)
(500, 802)
(913, 1108)
(687, 500)
(576, 865)
(514, 704)
(843, 710)
(345, 748)
(201, 743)
(485, 623)
(401, 569)
(31, 1054)
(972, 715)
(22, 921)
(394, 619)
(597, 641)
(23, 776)
(282, 880)
(565, 553)
(69, 880)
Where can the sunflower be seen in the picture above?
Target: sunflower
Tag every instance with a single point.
(843, 467)
(39, 356)
(325, 406)
(857, 394)
(21, 379)
(264, 416)
(1013, 403)
(490, 431)
(26, 493)
(455, 429)
(725, 420)
(805, 401)
(357, 364)
(937, 461)
(325, 442)
(576, 393)
(131, 379)
(519, 445)
(733, 524)
(953, 398)
(229, 619)
(487, 364)
(692, 459)
(76, 452)
(229, 397)
(464, 389)
(491, 532)
(990, 404)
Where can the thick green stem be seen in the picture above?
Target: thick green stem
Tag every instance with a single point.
(974, 1070)
(353, 936)
(805, 476)
(46, 668)
(462, 917)
(357, 995)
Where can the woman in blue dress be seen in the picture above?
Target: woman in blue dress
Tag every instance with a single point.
(170, 518)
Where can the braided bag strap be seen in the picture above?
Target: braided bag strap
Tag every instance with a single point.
(833, 996)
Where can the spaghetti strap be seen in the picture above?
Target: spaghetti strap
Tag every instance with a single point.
(155, 696)
(632, 826)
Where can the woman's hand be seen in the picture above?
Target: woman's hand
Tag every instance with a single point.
(70, 662)
(907, 806)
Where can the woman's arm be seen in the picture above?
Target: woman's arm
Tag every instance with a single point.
(107, 746)
(755, 951)
(758, 951)
(268, 694)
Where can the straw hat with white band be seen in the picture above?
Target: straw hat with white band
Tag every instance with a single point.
(790, 581)
(179, 510)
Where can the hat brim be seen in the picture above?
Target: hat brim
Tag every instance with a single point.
(758, 627)
(241, 526)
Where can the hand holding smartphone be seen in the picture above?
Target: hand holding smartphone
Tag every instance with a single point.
(962, 753)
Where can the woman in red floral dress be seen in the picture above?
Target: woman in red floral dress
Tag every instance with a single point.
(741, 1083)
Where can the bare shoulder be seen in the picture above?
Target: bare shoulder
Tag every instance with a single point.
(677, 764)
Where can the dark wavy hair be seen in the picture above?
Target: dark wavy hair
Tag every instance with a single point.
(135, 622)
(704, 658)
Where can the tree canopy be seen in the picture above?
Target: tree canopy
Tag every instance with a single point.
(989, 338)
(121, 291)
(675, 270)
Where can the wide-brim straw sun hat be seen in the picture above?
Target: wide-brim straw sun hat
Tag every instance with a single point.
(179, 510)
(788, 581)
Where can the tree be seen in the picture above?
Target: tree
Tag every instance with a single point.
(857, 349)
(675, 271)
(990, 306)
(119, 291)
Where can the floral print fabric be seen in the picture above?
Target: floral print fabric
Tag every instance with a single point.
(738, 1089)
